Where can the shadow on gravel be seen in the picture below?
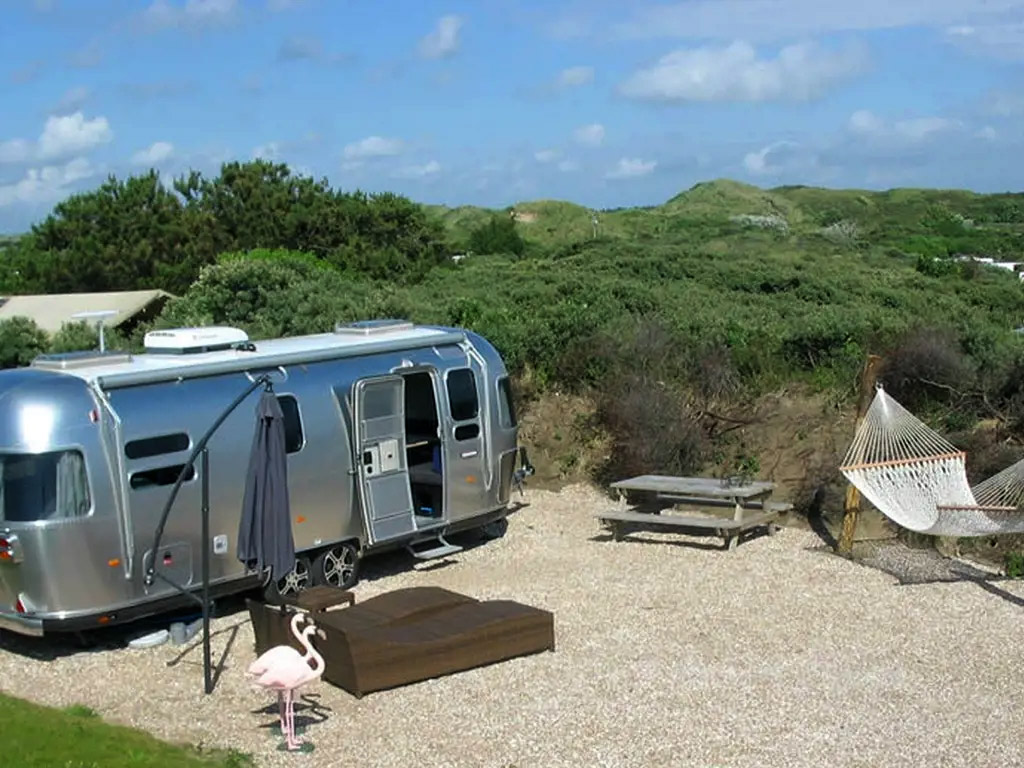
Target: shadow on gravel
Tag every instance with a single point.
(912, 566)
(60, 645)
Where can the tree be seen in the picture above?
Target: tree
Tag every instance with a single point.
(124, 235)
(21, 340)
(499, 235)
(137, 233)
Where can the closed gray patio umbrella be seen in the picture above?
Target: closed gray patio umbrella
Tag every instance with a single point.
(265, 530)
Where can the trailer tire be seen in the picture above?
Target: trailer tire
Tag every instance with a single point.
(285, 588)
(337, 566)
(494, 529)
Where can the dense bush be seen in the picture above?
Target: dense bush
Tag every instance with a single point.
(73, 337)
(20, 341)
(926, 363)
(498, 235)
(271, 294)
(137, 233)
(653, 428)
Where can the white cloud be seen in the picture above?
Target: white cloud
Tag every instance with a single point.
(16, 151)
(999, 40)
(765, 20)
(735, 73)
(444, 40)
(418, 171)
(88, 56)
(269, 151)
(867, 124)
(283, 5)
(988, 133)
(72, 101)
(778, 157)
(1004, 103)
(591, 135)
(373, 146)
(757, 162)
(154, 154)
(298, 48)
(631, 168)
(568, 166)
(163, 14)
(546, 155)
(70, 134)
(575, 76)
(45, 185)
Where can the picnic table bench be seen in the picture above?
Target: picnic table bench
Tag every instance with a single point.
(750, 502)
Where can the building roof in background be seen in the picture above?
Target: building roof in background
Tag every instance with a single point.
(50, 311)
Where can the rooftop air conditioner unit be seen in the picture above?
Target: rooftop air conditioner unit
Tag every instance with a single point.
(193, 340)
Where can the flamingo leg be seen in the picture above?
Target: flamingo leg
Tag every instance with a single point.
(280, 709)
(292, 743)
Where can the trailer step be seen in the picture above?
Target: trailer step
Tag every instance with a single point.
(444, 548)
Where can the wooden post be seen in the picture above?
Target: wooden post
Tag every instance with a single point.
(851, 506)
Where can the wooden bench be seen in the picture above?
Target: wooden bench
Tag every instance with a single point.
(727, 529)
(696, 492)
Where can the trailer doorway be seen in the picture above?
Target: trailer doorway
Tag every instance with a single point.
(424, 451)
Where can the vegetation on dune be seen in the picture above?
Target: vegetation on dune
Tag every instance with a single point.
(75, 737)
(676, 313)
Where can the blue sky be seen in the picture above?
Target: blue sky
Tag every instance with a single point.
(497, 101)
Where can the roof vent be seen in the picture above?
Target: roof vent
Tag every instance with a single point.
(193, 340)
(370, 327)
(62, 361)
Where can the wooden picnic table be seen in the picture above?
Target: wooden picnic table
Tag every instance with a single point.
(752, 497)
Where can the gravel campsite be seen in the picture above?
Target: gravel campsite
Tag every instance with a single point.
(669, 651)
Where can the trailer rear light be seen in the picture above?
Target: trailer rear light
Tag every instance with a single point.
(10, 552)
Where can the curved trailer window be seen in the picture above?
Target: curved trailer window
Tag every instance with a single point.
(43, 486)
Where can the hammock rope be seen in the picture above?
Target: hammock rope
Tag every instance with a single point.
(918, 479)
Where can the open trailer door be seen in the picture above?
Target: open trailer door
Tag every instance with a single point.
(379, 437)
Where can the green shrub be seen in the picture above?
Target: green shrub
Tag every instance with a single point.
(21, 341)
(498, 235)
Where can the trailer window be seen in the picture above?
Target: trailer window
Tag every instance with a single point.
(44, 486)
(462, 394)
(293, 436)
(160, 476)
(154, 446)
(506, 407)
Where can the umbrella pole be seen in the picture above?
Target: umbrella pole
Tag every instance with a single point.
(204, 473)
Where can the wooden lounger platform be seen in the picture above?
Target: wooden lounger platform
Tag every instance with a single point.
(417, 633)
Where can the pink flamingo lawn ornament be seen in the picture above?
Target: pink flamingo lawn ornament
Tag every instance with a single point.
(284, 669)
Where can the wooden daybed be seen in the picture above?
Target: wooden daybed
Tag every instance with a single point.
(412, 634)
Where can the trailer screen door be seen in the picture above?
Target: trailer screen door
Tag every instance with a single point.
(379, 417)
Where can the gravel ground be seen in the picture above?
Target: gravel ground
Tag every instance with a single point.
(668, 653)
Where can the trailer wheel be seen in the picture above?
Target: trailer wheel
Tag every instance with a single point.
(337, 566)
(293, 582)
(494, 529)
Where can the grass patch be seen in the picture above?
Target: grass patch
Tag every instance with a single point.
(75, 737)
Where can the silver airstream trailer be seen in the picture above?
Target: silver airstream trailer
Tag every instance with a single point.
(91, 445)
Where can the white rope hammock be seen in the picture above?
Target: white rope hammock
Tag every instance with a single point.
(918, 479)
